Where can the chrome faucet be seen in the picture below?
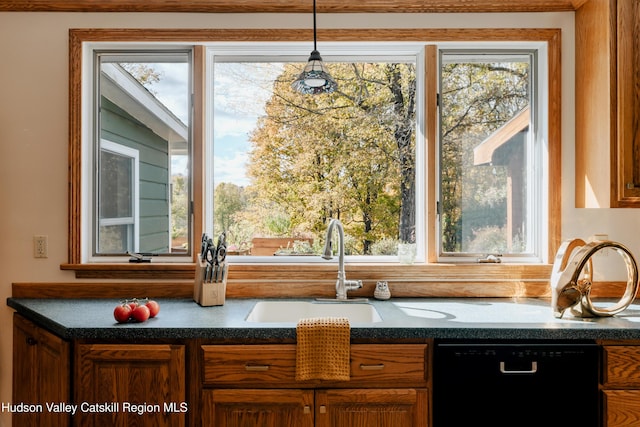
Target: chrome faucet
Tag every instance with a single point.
(342, 284)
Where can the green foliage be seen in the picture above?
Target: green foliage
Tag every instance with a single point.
(229, 199)
(385, 246)
(278, 224)
(179, 207)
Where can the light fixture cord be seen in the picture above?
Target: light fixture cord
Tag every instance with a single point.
(315, 47)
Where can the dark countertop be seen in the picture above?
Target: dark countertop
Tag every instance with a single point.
(410, 318)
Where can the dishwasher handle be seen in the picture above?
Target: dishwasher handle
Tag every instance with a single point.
(533, 370)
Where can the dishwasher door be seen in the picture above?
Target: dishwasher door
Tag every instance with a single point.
(523, 384)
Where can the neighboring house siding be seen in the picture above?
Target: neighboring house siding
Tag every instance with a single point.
(118, 126)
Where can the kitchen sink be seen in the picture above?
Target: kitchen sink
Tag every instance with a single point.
(293, 311)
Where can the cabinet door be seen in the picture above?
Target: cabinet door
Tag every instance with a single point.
(257, 408)
(608, 104)
(622, 408)
(621, 366)
(629, 102)
(130, 384)
(41, 374)
(372, 407)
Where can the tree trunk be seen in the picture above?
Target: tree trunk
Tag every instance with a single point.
(404, 132)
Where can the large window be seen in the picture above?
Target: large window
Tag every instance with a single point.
(448, 145)
(285, 163)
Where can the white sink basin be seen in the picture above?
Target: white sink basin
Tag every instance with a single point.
(293, 311)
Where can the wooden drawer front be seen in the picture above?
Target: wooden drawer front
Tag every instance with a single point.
(249, 364)
(391, 363)
(622, 408)
(622, 366)
(273, 365)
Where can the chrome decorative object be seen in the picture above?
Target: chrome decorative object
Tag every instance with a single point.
(572, 277)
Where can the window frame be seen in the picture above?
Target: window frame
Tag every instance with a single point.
(538, 174)
(331, 51)
(430, 272)
(92, 53)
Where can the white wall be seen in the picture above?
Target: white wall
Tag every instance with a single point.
(34, 130)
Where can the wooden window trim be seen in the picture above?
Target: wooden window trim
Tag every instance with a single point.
(279, 6)
(273, 273)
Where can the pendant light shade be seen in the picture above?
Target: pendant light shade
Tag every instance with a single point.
(314, 78)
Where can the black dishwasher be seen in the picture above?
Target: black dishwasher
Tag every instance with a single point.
(515, 383)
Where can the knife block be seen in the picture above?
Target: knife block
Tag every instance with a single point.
(209, 293)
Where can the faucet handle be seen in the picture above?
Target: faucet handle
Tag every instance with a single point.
(352, 285)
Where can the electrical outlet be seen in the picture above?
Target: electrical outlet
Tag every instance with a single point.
(40, 247)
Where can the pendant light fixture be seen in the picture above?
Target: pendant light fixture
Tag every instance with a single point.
(314, 78)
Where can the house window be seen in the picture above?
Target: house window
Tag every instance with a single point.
(491, 155)
(284, 163)
(118, 207)
(350, 139)
(142, 201)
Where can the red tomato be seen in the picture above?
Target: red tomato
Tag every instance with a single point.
(140, 313)
(133, 304)
(122, 313)
(154, 308)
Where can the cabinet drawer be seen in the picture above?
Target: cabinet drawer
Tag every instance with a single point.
(400, 364)
(622, 366)
(622, 408)
(255, 364)
(274, 365)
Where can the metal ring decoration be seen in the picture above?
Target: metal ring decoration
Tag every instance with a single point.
(572, 278)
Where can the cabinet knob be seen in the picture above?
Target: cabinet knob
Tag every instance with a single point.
(323, 409)
(31, 341)
(306, 409)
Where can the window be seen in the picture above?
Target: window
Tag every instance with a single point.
(284, 163)
(118, 186)
(491, 155)
(142, 188)
(224, 65)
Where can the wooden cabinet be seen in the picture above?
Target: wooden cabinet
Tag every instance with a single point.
(608, 104)
(371, 407)
(41, 364)
(130, 384)
(257, 407)
(255, 385)
(621, 385)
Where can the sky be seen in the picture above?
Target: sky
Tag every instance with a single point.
(240, 92)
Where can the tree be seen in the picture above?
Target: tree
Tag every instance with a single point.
(146, 75)
(179, 207)
(348, 155)
(477, 99)
(229, 199)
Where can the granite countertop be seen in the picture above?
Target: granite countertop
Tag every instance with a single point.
(410, 318)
